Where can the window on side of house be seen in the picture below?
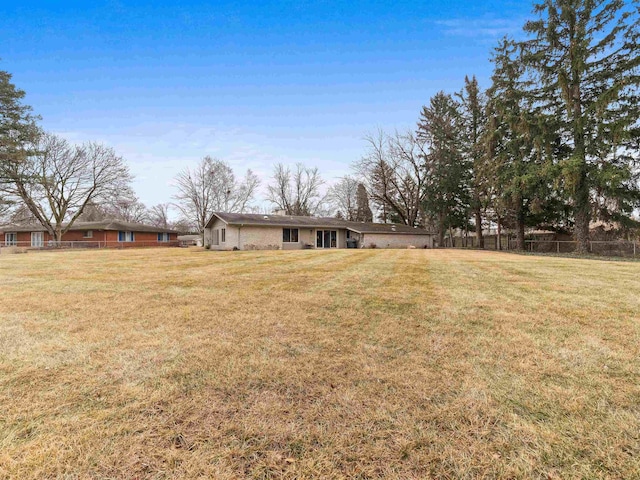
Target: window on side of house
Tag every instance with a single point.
(216, 237)
(224, 235)
(163, 237)
(37, 239)
(88, 234)
(126, 236)
(290, 235)
(11, 239)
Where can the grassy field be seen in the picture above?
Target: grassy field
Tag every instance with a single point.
(175, 363)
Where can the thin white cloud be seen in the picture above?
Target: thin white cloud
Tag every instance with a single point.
(156, 152)
(481, 27)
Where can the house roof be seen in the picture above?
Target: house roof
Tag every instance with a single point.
(190, 237)
(313, 222)
(116, 225)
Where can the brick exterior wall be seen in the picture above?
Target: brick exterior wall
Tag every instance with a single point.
(390, 240)
(251, 237)
(232, 239)
(263, 238)
(141, 239)
(246, 237)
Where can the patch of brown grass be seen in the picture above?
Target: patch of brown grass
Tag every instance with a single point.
(171, 363)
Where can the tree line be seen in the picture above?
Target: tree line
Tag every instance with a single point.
(47, 180)
(552, 143)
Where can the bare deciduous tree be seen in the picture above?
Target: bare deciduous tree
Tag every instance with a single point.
(344, 197)
(183, 225)
(127, 207)
(92, 212)
(20, 214)
(394, 175)
(296, 192)
(212, 187)
(229, 194)
(159, 215)
(58, 181)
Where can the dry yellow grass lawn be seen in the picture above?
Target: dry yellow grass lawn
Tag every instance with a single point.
(175, 363)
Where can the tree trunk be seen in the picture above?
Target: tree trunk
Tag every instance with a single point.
(440, 230)
(520, 227)
(582, 213)
(582, 206)
(479, 237)
(499, 239)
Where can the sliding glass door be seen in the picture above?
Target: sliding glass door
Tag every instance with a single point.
(326, 239)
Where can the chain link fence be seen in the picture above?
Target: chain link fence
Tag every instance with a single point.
(620, 248)
(607, 248)
(66, 245)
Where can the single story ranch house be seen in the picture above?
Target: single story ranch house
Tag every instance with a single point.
(108, 233)
(238, 231)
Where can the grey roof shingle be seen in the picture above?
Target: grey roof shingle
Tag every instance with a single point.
(314, 222)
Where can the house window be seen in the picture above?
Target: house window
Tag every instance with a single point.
(126, 237)
(224, 235)
(11, 239)
(216, 237)
(88, 234)
(163, 237)
(290, 235)
(37, 239)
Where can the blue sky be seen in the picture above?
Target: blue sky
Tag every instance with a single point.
(250, 83)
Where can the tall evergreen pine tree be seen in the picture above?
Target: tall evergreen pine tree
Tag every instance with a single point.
(447, 179)
(473, 116)
(17, 125)
(583, 55)
(515, 166)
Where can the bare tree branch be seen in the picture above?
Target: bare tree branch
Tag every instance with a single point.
(58, 181)
(394, 176)
(212, 187)
(297, 192)
(343, 195)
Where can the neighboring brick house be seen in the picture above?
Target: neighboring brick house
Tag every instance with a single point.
(108, 233)
(229, 231)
